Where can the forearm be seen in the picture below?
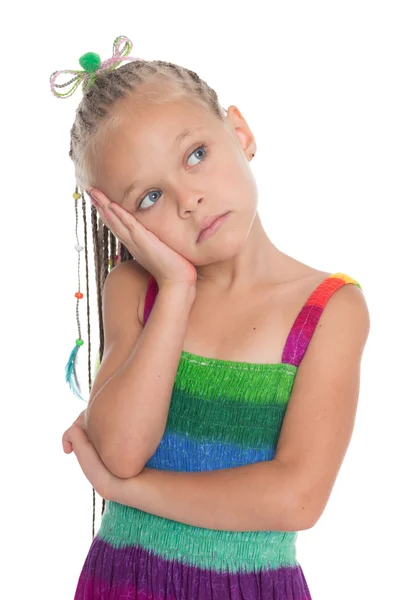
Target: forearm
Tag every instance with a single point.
(253, 497)
(127, 418)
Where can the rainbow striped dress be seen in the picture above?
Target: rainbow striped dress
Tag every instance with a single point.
(222, 414)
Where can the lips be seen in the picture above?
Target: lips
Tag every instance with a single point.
(209, 221)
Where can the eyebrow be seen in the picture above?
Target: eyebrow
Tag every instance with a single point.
(178, 140)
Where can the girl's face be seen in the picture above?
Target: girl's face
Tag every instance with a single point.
(180, 178)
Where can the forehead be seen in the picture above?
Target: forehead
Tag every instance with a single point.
(144, 139)
(146, 124)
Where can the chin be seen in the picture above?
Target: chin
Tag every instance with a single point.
(225, 248)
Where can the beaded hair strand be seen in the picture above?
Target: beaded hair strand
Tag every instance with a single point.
(103, 85)
(105, 258)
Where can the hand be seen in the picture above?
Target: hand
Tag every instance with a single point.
(166, 265)
(79, 422)
(75, 439)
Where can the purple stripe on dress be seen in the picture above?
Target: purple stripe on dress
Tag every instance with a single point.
(134, 573)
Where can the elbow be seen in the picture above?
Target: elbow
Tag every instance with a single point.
(119, 466)
(117, 460)
(307, 511)
(296, 503)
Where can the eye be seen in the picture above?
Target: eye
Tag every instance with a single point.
(201, 149)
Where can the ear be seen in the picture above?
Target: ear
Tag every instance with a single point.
(242, 131)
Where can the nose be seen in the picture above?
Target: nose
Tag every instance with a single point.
(188, 202)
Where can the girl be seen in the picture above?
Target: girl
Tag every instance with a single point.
(227, 390)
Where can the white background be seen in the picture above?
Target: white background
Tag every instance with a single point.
(318, 83)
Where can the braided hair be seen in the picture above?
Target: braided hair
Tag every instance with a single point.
(94, 118)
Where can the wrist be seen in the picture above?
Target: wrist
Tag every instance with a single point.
(180, 290)
(122, 490)
(113, 489)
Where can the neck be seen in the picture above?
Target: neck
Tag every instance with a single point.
(259, 261)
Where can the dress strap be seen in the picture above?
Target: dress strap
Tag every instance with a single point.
(306, 321)
(151, 295)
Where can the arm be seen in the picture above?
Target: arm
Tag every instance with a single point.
(130, 399)
(290, 492)
(249, 498)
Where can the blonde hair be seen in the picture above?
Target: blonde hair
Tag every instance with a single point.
(96, 115)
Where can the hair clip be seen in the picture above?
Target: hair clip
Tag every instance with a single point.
(92, 67)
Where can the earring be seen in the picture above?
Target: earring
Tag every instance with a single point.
(251, 155)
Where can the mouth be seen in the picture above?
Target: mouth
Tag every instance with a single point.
(212, 226)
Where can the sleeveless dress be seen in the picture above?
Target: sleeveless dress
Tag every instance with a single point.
(222, 414)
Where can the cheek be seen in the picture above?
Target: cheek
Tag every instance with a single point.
(175, 240)
(236, 173)
(242, 192)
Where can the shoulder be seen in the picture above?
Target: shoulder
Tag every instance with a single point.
(344, 296)
(343, 326)
(126, 284)
(129, 266)
(129, 273)
(333, 308)
(347, 306)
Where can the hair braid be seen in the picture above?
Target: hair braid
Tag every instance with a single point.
(94, 118)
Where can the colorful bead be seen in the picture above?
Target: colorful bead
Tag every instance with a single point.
(79, 295)
(76, 196)
(79, 342)
(116, 257)
(78, 247)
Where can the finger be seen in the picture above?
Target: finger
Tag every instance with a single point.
(105, 216)
(131, 226)
(118, 220)
(123, 215)
(67, 447)
(109, 218)
(117, 211)
(100, 200)
(121, 223)
(115, 225)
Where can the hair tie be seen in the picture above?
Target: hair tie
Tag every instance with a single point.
(92, 67)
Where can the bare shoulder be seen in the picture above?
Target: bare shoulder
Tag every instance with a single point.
(346, 304)
(345, 315)
(125, 288)
(347, 311)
